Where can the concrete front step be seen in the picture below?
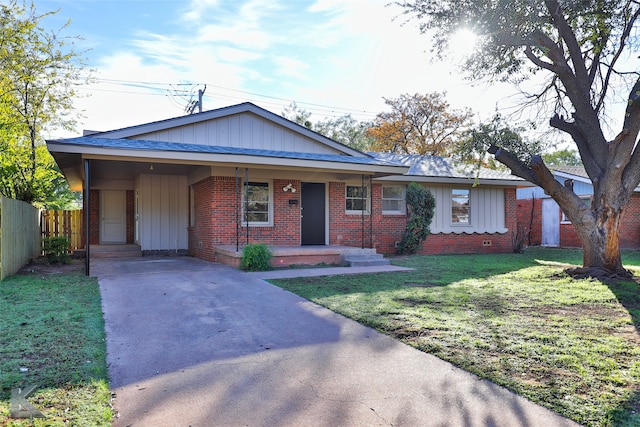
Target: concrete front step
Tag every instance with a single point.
(116, 251)
(365, 259)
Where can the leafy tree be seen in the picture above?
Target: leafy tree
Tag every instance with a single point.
(578, 49)
(421, 205)
(344, 129)
(475, 142)
(38, 71)
(298, 115)
(418, 124)
(562, 157)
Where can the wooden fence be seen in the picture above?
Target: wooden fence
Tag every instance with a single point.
(19, 235)
(62, 223)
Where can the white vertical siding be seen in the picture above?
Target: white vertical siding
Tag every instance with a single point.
(240, 131)
(163, 212)
(487, 213)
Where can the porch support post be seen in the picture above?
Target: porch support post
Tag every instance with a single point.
(362, 200)
(371, 212)
(87, 216)
(246, 202)
(237, 213)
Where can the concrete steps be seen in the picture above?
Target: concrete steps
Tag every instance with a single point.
(365, 259)
(115, 251)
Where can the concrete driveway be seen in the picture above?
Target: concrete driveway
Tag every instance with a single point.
(192, 343)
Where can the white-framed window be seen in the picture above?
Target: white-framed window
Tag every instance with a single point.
(357, 199)
(585, 199)
(393, 199)
(257, 203)
(460, 206)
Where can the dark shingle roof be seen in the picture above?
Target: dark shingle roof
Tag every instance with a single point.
(443, 167)
(136, 144)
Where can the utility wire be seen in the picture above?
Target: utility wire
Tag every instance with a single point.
(164, 89)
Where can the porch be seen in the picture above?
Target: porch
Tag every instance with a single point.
(283, 256)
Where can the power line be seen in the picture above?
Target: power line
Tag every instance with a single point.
(174, 90)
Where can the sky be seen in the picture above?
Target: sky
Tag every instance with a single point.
(331, 57)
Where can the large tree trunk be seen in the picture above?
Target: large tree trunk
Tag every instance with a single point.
(601, 244)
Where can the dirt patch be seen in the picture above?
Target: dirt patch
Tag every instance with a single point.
(41, 266)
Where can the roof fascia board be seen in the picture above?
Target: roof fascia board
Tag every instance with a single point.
(567, 175)
(456, 180)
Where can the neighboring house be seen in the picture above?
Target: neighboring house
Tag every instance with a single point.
(547, 223)
(242, 174)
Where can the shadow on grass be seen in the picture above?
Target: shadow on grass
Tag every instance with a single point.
(628, 295)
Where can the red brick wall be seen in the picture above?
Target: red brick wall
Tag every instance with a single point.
(387, 229)
(629, 229)
(477, 242)
(215, 207)
(215, 222)
(533, 224)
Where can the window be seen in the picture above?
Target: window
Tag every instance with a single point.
(357, 199)
(393, 200)
(460, 207)
(256, 203)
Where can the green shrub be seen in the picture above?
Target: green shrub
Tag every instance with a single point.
(421, 205)
(55, 249)
(256, 257)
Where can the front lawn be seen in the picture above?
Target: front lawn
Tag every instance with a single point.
(516, 319)
(52, 337)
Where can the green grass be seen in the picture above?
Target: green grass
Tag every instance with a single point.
(52, 335)
(516, 319)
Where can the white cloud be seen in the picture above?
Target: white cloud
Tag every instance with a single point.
(290, 67)
(197, 10)
(342, 54)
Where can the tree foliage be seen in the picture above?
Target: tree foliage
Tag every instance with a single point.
(473, 146)
(580, 52)
(39, 70)
(421, 205)
(563, 157)
(344, 129)
(418, 124)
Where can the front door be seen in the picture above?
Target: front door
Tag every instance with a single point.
(550, 223)
(313, 213)
(113, 224)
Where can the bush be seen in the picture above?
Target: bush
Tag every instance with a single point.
(55, 249)
(256, 257)
(421, 205)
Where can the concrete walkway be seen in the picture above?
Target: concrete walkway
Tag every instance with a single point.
(192, 343)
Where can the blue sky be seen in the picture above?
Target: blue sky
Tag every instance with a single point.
(332, 57)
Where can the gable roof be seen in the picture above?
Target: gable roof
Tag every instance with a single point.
(245, 107)
(447, 170)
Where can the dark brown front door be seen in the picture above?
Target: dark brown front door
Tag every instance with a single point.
(313, 213)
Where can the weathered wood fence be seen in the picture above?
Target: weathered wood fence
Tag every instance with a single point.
(19, 235)
(62, 223)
